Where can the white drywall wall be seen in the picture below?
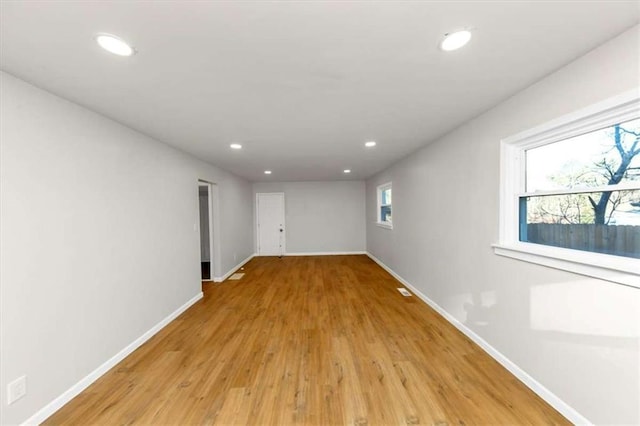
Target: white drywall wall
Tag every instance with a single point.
(322, 217)
(99, 239)
(577, 336)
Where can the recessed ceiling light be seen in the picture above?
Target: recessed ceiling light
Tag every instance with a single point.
(370, 144)
(347, 170)
(235, 146)
(115, 45)
(455, 40)
(267, 172)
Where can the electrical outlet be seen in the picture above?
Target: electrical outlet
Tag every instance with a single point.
(404, 291)
(16, 389)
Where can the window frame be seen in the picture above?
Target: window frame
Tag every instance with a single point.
(618, 269)
(380, 189)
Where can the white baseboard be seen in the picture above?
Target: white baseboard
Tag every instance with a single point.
(74, 390)
(232, 270)
(326, 253)
(562, 407)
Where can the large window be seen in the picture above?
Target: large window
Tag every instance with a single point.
(383, 212)
(570, 192)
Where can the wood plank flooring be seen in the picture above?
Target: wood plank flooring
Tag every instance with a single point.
(308, 340)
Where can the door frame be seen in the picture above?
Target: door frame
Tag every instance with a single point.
(214, 227)
(284, 225)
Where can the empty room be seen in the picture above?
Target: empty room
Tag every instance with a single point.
(319, 212)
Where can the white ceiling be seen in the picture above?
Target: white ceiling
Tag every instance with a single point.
(301, 85)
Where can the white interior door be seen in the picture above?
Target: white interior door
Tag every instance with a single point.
(270, 217)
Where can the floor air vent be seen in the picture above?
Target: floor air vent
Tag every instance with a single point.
(403, 291)
(237, 276)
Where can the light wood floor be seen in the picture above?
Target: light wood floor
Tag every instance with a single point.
(308, 340)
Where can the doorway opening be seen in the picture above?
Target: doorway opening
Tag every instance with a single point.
(206, 207)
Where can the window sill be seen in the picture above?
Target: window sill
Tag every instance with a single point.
(386, 225)
(617, 269)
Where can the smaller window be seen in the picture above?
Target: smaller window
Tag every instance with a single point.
(383, 212)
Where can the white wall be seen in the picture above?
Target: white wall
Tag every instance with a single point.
(577, 336)
(98, 241)
(322, 216)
